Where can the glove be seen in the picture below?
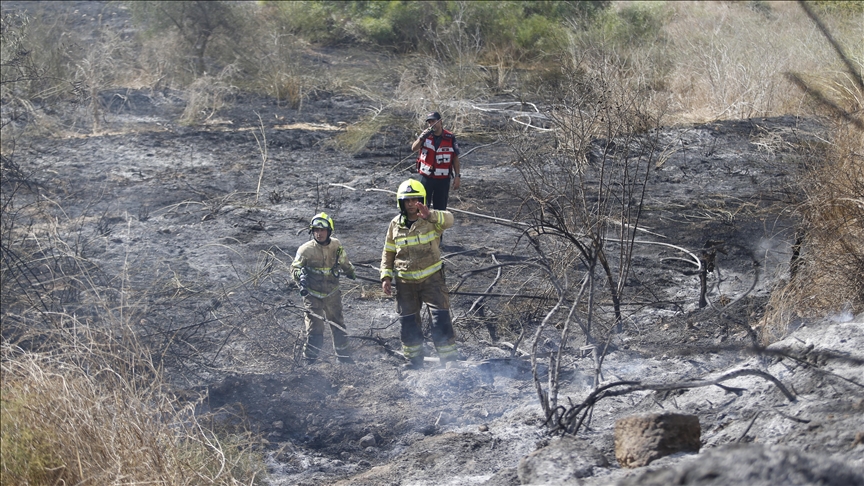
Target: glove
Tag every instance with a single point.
(351, 275)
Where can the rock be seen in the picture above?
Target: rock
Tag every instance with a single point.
(504, 477)
(645, 438)
(561, 462)
(367, 441)
(753, 465)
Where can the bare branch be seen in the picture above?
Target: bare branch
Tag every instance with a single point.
(571, 420)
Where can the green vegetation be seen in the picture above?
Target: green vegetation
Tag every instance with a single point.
(525, 29)
(696, 62)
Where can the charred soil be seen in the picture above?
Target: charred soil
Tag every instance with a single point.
(175, 215)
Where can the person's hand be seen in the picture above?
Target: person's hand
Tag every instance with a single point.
(457, 181)
(351, 275)
(386, 286)
(426, 133)
(423, 210)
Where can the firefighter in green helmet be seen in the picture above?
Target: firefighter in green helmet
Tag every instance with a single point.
(316, 269)
(411, 261)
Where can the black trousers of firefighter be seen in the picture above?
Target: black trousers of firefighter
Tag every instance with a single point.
(329, 307)
(410, 297)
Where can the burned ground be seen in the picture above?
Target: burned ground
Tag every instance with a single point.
(173, 216)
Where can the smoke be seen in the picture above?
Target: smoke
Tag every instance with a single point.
(845, 315)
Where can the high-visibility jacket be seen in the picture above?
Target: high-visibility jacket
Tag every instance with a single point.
(437, 163)
(323, 264)
(412, 253)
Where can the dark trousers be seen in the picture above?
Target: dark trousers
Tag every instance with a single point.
(410, 297)
(437, 191)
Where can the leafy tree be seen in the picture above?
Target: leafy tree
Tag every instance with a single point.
(517, 28)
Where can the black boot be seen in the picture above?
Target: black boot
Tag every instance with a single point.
(412, 333)
(314, 343)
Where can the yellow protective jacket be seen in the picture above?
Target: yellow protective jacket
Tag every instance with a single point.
(412, 254)
(323, 264)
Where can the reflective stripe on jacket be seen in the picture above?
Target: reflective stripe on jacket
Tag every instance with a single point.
(322, 267)
(413, 254)
(437, 163)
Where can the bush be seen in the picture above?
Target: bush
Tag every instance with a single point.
(827, 268)
(627, 26)
(524, 29)
(105, 417)
(319, 22)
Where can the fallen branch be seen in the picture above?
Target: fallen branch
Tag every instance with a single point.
(492, 294)
(462, 156)
(514, 348)
(490, 267)
(493, 218)
(346, 186)
(381, 342)
(819, 354)
(696, 261)
(471, 294)
(570, 420)
(479, 301)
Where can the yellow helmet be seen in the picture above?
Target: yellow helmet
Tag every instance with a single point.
(408, 190)
(321, 220)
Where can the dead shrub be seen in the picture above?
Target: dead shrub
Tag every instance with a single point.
(207, 95)
(827, 269)
(95, 409)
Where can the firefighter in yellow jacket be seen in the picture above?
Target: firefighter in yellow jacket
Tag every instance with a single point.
(316, 268)
(411, 261)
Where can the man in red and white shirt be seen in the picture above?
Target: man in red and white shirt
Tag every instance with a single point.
(438, 161)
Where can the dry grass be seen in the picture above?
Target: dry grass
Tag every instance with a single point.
(725, 66)
(94, 410)
(83, 398)
(828, 275)
(717, 60)
(827, 271)
(207, 95)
